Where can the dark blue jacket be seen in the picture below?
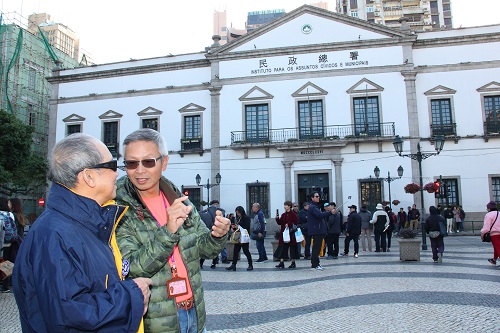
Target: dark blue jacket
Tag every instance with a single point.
(353, 224)
(315, 220)
(65, 277)
(334, 223)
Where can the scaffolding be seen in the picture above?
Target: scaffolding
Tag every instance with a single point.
(26, 60)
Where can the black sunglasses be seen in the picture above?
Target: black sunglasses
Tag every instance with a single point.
(112, 165)
(147, 163)
(316, 196)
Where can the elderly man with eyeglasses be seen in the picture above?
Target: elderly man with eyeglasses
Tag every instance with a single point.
(69, 274)
(163, 237)
(316, 227)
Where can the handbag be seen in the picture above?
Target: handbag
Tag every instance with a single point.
(6, 268)
(299, 237)
(245, 237)
(434, 234)
(442, 229)
(286, 235)
(235, 237)
(487, 235)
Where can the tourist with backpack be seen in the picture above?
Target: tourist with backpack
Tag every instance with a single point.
(10, 238)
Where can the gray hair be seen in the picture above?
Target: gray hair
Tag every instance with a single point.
(256, 205)
(147, 134)
(70, 156)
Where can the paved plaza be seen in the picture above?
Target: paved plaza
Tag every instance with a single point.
(373, 293)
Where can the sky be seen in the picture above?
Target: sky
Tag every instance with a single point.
(118, 30)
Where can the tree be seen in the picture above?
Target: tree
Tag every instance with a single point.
(21, 169)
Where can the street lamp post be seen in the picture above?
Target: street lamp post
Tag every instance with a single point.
(208, 186)
(419, 157)
(389, 179)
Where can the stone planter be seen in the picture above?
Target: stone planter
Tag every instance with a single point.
(409, 249)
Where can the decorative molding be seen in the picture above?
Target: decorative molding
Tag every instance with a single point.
(110, 115)
(309, 89)
(440, 90)
(493, 86)
(369, 87)
(192, 107)
(149, 111)
(256, 93)
(73, 118)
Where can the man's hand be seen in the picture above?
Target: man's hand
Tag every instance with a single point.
(177, 214)
(221, 225)
(334, 211)
(144, 284)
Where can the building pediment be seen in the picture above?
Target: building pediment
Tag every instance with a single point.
(364, 86)
(192, 107)
(309, 89)
(73, 118)
(440, 90)
(308, 25)
(149, 111)
(490, 87)
(110, 115)
(256, 93)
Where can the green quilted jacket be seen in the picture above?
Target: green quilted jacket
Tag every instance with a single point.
(147, 247)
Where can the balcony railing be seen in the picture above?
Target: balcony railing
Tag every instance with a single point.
(492, 127)
(444, 129)
(335, 132)
(191, 144)
(114, 148)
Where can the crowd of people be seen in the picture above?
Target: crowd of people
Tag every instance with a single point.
(126, 254)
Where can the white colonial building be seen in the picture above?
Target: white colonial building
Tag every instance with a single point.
(311, 101)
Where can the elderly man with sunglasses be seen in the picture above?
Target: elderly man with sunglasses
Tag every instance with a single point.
(163, 237)
(68, 275)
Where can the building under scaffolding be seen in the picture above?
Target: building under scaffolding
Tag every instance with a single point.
(26, 60)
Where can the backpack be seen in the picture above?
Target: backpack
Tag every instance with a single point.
(380, 224)
(9, 227)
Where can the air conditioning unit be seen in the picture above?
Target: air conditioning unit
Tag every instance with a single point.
(377, 13)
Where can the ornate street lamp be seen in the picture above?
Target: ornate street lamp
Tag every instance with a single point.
(208, 186)
(389, 179)
(419, 157)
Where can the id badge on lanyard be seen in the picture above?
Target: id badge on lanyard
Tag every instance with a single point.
(176, 286)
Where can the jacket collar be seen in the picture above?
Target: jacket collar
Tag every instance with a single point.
(100, 220)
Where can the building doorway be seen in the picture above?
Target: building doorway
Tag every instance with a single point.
(371, 193)
(313, 182)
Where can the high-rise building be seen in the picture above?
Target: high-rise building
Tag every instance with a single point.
(60, 36)
(255, 20)
(259, 18)
(421, 15)
(26, 60)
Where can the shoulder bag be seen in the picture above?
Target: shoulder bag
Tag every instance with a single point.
(487, 235)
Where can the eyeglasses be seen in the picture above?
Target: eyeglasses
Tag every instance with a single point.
(316, 196)
(147, 163)
(112, 165)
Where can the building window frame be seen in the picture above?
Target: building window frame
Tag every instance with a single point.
(494, 186)
(258, 125)
(258, 192)
(491, 124)
(111, 137)
(191, 141)
(155, 121)
(71, 128)
(310, 120)
(451, 187)
(363, 118)
(442, 118)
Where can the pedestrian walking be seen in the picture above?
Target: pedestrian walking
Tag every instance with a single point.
(432, 227)
(366, 228)
(316, 227)
(491, 225)
(288, 219)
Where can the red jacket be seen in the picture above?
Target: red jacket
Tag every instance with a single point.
(288, 219)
